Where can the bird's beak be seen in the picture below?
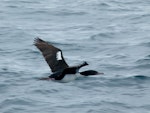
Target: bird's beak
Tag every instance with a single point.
(100, 73)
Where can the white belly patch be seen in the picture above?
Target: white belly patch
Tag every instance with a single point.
(68, 78)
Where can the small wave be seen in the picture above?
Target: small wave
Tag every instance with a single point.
(16, 101)
(104, 37)
(147, 44)
(69, 13)
(134, 77)
(7, 71)
(62, 12)
(120, 56)
(25, 1)
(139, 18)
(104, 5)
(121, 81)
(44, 91)
(143, 61)
(142, 77)
(142, 66)
(13, 6)
(148, 56)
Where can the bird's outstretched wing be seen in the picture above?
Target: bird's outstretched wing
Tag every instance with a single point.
(52, 55)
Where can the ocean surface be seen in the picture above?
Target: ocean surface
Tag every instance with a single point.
(113, 36)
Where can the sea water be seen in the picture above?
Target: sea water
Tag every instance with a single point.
(113, 36)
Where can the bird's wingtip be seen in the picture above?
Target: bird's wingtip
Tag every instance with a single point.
(38, 40)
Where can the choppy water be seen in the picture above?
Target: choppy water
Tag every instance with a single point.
(113, 36)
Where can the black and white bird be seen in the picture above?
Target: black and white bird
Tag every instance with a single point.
(61, 71)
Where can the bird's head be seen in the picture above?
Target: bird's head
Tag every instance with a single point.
(85, 63)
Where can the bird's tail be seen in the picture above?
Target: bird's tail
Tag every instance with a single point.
(45, 78)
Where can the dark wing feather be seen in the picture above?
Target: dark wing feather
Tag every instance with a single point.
(50, 54)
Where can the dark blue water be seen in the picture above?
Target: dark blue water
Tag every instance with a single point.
(113, 36)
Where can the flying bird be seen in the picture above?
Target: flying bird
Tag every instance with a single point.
(61, 71)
